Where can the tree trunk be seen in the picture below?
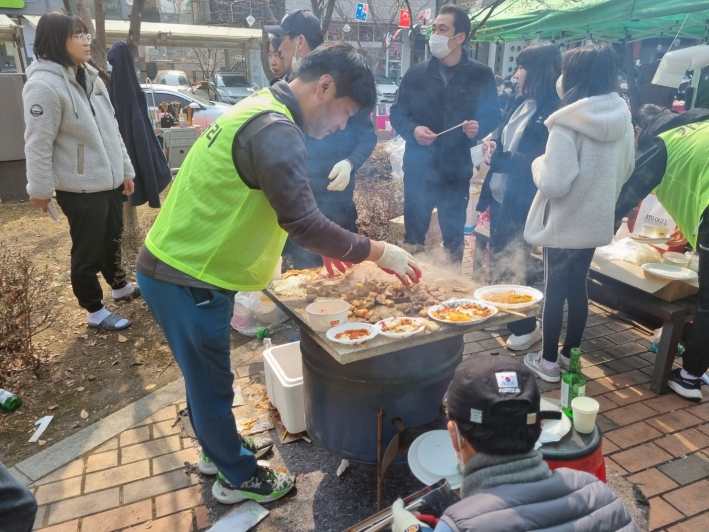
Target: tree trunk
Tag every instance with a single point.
(67, 6)
(98, 56)
(133, 39)
(130, 224)
(98, 46)
(328, 16)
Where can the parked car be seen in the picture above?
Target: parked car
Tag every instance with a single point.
(386, 89)
(174, 78)
(230, 87)
(206, 112)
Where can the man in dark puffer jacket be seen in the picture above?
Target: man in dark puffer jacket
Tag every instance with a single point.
(494, 421)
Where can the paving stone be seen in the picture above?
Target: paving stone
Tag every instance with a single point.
(595, 357)
(661, 514)
(649, 356)
(610, 464)
(253, 369)
(72, 469)
(651, 482)
(626, 335)
(605, 424)
(609, 447)
(472, 347)
(598, 319)
(56, 491)
(136, 435)
(546, 387)
(150, 449)
(110, 445)
(96, 462)
(669, 402)
(595, 344)
(165, 428)
(641, 457)
(632, 435)
(175, 501)
(673, 421)
(697, 524)
(171, 461)
(626, 415)
(156, 485)
(83, 505)
(618, 325)
(202, 515)
(597, 371)
(629, 395)
(605, 403)
(169, 412)
(684, 442)
(476, 336)
(701, 411)
(627, 364)
(599, 386)
(690, 500)
(39, 517)
(629, 378)
(493, 343)
(181, 522)
(119, 518)
(69, 526)
(116, 476)
(688, 469)
(596, 332)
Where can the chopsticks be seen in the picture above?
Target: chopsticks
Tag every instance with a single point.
(450, 129)
(516, 313)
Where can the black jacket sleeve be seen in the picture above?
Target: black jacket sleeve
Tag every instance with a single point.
(489, 113)
(650, 167)
(282, 175)
(363, 129)
(400, 112)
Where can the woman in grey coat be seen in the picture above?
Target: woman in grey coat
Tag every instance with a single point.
(73, 146)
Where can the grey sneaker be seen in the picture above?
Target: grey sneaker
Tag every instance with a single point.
(534, 362)
(265, 485)
(563, 363)
(257, 446)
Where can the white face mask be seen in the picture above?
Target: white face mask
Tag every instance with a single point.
(438, 44)
(560, 87)
(297, 61)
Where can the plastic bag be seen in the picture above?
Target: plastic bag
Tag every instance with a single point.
(693, 257)
(628, 251)
(253, 310)
(395, 148)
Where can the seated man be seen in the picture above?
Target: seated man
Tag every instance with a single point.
(494, 422)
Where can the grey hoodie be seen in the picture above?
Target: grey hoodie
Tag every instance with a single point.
(589, 156)
(72, 142)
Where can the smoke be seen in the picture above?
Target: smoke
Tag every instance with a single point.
(511, 263)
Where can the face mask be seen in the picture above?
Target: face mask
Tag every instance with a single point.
(297, 61)
(560, 87)
(438, 44)
(461, 463)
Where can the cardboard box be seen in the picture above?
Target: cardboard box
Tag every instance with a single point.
(397, 232)
(635, 276)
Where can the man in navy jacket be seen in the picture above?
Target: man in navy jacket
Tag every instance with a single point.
(438, 94)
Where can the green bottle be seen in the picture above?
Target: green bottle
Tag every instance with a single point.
(9, 401)
(573, 383)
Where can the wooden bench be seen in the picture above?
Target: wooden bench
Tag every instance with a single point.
(673, 315)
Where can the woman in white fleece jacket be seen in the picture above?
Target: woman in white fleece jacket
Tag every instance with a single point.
(588, 158)
(73, 146)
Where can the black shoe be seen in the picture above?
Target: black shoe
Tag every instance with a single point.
(688, 388)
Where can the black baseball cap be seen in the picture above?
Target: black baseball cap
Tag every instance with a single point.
(298, 22)
(483, 382)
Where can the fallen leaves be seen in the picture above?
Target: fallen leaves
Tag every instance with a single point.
(150, 386)
(122, 339)
(52, 407)
(84, 414)
(41, 442)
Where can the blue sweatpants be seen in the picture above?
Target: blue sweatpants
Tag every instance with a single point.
(196, 324)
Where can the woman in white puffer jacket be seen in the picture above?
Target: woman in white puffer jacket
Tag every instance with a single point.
(588, 158)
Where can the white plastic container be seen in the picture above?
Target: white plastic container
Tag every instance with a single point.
(585, 410)
(283, 366)
(327, 313)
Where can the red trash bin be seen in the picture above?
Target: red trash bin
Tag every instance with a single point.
(583, 452)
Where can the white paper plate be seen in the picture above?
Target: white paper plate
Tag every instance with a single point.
(432, 457)
(537, 296)
(349, 326)
(640, 239)
(388, 334)
(458, 302)
(668, 271)
(555, 429)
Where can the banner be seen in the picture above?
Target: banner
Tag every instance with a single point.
(404, 18)
(362, 10)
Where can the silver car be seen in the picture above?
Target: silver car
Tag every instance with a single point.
(230, 87)
(205, 112)
(386, 89)
(174, 78)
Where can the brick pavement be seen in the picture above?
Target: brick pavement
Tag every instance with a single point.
(137, 481)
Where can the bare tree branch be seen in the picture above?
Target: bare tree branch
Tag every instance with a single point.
(133, 39)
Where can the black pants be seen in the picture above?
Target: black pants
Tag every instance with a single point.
(510, 263)
(696, 357)
(95, 225)
(565, 275)
(451, 199)
(18, 506)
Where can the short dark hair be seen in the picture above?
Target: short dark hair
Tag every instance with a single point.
(275, 42)
(347, 67)
(53, 30)
(504, 440)
(646, 114)
(461, 21)
(542, 61)
(313, 43)
(589, 71)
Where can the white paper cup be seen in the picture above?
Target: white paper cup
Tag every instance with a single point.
(654, 231)
(585, 411)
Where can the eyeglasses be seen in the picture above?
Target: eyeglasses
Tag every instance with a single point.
(84, 38)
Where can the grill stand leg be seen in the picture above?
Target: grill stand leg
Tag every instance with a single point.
(380, 431)
(666, 352)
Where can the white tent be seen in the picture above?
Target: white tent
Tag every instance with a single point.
(8, 29)
(674, 65)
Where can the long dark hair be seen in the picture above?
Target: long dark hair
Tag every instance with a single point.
(589, 71)
(542, 61)
(53, 30)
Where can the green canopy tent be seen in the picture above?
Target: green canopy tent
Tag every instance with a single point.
(608, 20)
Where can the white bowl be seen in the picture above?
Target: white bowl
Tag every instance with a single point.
(327, 313)
(537, 296)
(676, 259)
(654, 231)
(373, 331)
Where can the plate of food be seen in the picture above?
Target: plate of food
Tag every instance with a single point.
(352, 333)
(400, 327)
(509, 296)
(462, 311)
(642, 239)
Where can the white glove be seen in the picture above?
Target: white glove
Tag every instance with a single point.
(398, 262)
(340, 175)
(404, 521)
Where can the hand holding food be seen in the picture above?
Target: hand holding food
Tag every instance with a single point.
(489, 147)
(677, 238)
(396, 261)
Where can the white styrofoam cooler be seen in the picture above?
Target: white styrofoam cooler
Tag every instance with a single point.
(283, 366)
